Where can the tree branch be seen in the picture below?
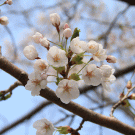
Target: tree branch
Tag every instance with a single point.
(11, 88)
(86, 114)
(130, 2)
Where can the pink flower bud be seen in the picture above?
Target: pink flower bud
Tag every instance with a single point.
(9, 2)
(66, 26)
(4, 20)
(55, 19)
(132, 96)
(129, 85)
(67, 33)
(111, 59)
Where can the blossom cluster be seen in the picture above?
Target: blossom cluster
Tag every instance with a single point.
(68, 63)
(63, 58)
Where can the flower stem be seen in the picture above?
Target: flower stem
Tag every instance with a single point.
(66, 45)
(84, 66)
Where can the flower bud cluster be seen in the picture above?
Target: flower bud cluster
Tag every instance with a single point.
(63, 58)
(68, 63)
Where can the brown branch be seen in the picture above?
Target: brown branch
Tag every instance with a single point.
(130, 2)
(11, 88)
(0, 52)
(81, 125)
(39, 108)
(86, 114)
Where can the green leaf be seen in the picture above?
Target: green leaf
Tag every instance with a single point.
(63, 129)
(77, 59)
(59, 69)
(58, 80)
(75, 77)
(75, 33)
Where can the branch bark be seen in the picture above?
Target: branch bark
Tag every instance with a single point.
(86, 114)
(130, 2)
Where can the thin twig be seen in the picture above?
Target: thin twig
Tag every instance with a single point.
(120, 101)
(81, 125)
(11, 88)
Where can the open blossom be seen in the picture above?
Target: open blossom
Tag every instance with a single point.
(92, 47)
(44, 127)
(4, 20)
(44, 42)
(107, 81)
(41, 66)
(107, 76)
(37, 37)
(91, 75)
(57, 57)
(30, 52)
(67, 33)
(67, 90)
(106, 70)
(55, 19)
(77, 46)
(100, 55)
(35, 83)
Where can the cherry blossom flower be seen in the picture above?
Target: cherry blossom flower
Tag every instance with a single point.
(107, 81)
(51, 72)
(44, 127)
(55, 19)
(35, 83)
(41, 66)
(4, 20)
(106, 70)
(37, 37)
(57, 57)
(67, 90)
(91, 75)
(77, 46)
(30, 52)
(107, 76)
(67, 33)
(111, 59)
(100, 55)
(44, 42)
(92, 47)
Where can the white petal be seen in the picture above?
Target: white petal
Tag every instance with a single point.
(43, 84)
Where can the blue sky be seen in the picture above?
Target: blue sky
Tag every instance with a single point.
(22, 102)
